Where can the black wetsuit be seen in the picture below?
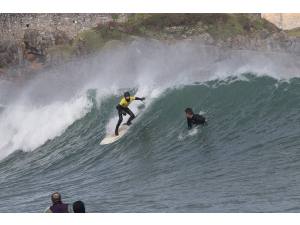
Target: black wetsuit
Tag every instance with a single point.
(123, 111)
(196, 120)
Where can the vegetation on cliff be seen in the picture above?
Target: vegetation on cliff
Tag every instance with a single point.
(294, 32)
(219, 26)
(168, 27)
(224, 28)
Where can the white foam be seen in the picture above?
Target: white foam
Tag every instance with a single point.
(190, 133)
(27, 127)
(193, 132)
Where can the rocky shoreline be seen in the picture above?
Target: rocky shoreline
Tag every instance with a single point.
(38, 49)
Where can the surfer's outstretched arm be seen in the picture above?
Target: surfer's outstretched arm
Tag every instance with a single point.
(141, 99)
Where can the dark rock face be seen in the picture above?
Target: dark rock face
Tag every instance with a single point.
(9, 53)
(33, 34)
(37, 42)
(31, 53)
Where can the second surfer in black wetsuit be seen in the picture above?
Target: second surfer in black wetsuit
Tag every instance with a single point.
(194, 119)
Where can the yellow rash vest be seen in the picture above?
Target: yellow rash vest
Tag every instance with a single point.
(124, 103)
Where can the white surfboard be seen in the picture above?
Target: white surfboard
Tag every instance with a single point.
(110, 138)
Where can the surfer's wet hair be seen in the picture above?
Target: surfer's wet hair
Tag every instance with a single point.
(189, 111)
(126, 94)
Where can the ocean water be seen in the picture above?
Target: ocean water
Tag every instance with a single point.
(246, 160)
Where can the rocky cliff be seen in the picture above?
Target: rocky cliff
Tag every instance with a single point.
(30, 42)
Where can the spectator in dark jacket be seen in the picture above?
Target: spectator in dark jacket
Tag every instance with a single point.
(57, 205)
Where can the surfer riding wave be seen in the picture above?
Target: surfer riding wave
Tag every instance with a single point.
(123, 109)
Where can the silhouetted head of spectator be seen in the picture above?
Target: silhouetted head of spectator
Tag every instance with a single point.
(78, 207)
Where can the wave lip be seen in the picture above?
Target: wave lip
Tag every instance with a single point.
(27, 127)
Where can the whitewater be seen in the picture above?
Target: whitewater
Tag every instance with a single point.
(246, 160)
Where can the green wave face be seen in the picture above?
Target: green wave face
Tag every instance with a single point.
(246, 160)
